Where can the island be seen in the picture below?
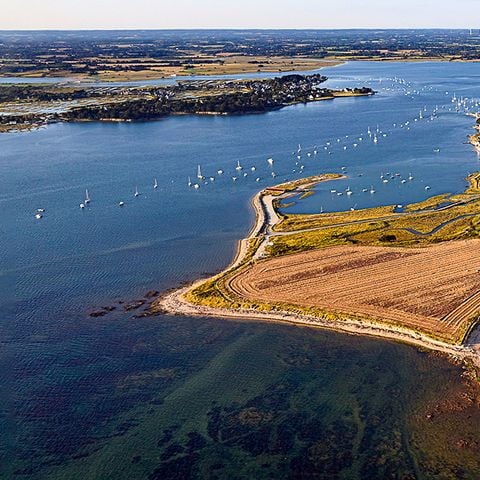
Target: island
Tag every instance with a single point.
(409, 274)
(26, 107)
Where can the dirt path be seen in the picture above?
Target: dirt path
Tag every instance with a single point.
(386, 218)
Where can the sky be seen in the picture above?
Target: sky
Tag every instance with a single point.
(160, 14)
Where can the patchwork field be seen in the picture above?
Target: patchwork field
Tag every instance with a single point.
(433, 289)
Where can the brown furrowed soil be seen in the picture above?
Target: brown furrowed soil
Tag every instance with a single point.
(433, 289)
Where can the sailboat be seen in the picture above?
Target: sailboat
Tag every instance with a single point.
(136, 192)
(199, 173)
(155, 184)
(87, 197)
(189, 182)
(238, 167)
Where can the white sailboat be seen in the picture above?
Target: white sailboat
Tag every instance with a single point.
(189, 182)
(137, 193)
(87, 197)
(155, 184)
(199, 173)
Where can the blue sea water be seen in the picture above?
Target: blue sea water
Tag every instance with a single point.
(55, 270)
(75, 257)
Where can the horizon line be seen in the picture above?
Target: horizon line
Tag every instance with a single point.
(139, 29)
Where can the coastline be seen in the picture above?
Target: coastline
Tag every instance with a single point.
(175, 303)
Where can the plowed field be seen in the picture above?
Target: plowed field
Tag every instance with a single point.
(434, 289)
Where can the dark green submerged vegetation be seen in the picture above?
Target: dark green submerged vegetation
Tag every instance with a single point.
(149, 103)
(230, 400)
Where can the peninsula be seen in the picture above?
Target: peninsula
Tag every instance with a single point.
(409, 275)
